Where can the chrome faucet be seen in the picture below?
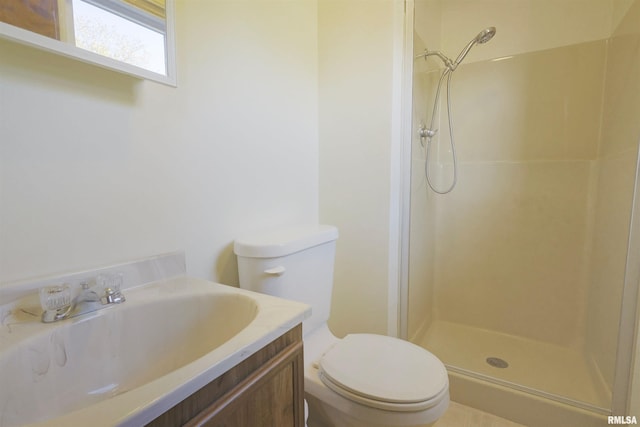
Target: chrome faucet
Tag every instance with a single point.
(57, 303)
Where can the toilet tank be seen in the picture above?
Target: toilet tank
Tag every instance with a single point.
(295, 263)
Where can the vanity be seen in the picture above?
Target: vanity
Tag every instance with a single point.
(264, 390)
(178, 351)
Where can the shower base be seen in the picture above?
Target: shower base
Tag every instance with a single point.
(530, 382)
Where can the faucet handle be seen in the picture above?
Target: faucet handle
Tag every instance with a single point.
(56, 302)
(105, 281)
(55, 297)
(110, 286)
(102, 283)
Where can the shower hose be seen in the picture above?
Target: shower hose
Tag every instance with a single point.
(428, 134)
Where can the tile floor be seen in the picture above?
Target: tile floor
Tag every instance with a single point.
(463, 416)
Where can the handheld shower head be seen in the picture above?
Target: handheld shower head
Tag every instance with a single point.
(482, 37)
(486, 35)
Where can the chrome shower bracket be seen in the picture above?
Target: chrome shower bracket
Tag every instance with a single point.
(447, 61)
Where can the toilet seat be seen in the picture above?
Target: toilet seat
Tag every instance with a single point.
(384, 372)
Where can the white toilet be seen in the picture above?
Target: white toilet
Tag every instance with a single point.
(362, 380)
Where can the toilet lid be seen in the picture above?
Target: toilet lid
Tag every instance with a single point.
(384, 372)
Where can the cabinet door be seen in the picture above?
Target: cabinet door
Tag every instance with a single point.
(272, 396)
(269, 404)
(265, 390)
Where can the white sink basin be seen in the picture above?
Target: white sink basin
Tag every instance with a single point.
(127, 364)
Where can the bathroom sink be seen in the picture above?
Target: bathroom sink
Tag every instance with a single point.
(129, 363)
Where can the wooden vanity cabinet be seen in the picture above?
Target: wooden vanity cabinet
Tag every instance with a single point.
(265, 390)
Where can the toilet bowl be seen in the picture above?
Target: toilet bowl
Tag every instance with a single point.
(371, 397)
(361, 380)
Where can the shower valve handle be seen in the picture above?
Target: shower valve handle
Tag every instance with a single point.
(426, 133)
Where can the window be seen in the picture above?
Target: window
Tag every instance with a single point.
(121, 31)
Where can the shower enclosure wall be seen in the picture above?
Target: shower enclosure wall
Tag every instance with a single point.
(523, 263)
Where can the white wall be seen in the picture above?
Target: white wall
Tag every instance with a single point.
(356, 54)
(97, 167)
(427, 34)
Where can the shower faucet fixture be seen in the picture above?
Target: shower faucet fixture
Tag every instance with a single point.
(482, 37)
(426, 134)
(423, 132)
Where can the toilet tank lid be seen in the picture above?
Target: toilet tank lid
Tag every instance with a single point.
(284, 241)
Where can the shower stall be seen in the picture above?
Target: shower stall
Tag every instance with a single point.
(523, 278)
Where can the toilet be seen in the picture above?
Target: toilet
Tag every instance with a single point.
(361, 380)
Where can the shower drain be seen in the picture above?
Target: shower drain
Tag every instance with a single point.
(496, 362)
